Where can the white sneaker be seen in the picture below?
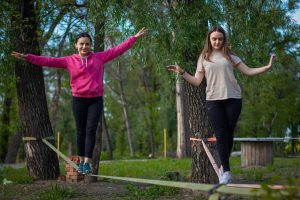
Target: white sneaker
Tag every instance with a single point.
(225, 178)
(221, 172)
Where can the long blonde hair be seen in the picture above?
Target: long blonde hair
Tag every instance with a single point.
(207, 50)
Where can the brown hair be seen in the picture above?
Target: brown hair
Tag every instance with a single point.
(80, 35)
(207, 50)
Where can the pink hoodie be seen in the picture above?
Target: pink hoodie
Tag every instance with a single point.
(86, 74)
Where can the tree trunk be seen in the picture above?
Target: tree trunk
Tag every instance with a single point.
(5, 123)
(70, 148)
(120, 80)
(106, 138)
(202, 170)
(42, 162)
(150, 103)
(57, 92)
(125, 112)
(55, 99)
(13, 148)
(182, 141)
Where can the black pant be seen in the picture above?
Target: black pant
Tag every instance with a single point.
(223, 115)
(87, 113)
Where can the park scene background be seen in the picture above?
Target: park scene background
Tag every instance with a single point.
(141, 97)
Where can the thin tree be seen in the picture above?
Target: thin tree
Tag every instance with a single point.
(98, 46)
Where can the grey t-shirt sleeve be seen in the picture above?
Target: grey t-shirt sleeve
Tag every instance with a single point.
(236, 60)
(200, 67)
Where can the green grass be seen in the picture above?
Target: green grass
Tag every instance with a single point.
(157, 169)
(281, 169)
(16, 175)
(151, 169)
(152, 192)
(57, 192)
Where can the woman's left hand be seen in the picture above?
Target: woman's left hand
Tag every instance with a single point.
(272, 59)
(141, 33)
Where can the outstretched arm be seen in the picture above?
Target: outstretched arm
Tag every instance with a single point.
(18, 55)
(194, 80)
(41, 60)
(123, 47)
(255, 71)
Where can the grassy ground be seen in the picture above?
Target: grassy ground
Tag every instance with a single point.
(283, 171)
(156, 169)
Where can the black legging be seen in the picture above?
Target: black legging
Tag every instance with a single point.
(223, 115)
(87, 113)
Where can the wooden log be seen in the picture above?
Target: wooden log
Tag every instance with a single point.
(256, 153)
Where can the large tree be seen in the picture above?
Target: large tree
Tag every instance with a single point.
(42, 162)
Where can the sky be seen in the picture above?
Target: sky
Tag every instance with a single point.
(296, 16)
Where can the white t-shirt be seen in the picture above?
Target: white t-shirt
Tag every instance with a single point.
(221, 82)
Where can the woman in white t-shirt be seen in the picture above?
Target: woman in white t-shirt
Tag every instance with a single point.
(223, 93)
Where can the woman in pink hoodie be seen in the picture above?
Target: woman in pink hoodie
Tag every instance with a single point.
(86, 79)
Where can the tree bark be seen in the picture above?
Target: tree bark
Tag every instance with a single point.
(13, 148)
(182, 142)
(42, 162)
(202, 170)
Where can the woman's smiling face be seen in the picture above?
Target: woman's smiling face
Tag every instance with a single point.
(83, 46)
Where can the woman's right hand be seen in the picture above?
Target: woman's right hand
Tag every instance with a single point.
(18, 55)
(175, 68)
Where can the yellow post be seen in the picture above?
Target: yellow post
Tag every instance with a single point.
(165, 143)
(58, 140)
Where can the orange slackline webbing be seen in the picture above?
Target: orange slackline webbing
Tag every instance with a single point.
(210, 157)
(211, 139)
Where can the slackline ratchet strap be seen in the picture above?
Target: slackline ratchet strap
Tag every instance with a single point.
(44, 140)
(37, 139)
(210, 157)
(213, 190)
(211, 139)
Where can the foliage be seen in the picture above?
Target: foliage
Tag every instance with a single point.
(152, 192)
(254, 33)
